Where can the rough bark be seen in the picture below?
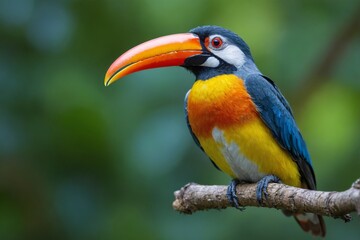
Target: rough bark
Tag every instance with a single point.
(193, 197)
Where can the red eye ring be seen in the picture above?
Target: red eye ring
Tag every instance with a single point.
(216, 42)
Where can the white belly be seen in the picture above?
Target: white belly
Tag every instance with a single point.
(244, 169)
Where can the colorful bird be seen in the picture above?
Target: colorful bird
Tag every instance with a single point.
(235, 114)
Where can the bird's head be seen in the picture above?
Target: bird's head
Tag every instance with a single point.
(207, 51)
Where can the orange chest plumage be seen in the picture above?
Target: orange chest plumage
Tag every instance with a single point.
(221, 102)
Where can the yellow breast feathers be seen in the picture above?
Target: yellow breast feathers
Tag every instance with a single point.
(230, 130)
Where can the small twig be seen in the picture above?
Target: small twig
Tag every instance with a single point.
(193, 197)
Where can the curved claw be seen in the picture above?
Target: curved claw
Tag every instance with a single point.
(262, 187)
(231, 194)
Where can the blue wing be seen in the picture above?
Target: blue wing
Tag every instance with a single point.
(276, 113)
(196, 140)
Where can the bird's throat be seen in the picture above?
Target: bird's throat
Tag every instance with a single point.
(220, 101)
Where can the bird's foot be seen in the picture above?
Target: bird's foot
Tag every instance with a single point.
(231, 194)
(262, 187)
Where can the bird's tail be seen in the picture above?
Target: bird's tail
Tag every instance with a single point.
(309, 222)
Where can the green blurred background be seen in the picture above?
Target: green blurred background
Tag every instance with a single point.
(81, 161)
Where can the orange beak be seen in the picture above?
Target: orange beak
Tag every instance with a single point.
(165, 51)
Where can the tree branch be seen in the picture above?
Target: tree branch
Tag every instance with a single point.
(193, 197)
(329, 59)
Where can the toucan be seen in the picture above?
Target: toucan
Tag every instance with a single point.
(236, 115)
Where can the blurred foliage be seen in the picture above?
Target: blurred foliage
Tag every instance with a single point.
(81, 161)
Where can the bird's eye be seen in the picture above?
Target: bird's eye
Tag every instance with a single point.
(216, 42)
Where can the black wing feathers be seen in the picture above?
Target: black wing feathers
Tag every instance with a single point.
(277, 115)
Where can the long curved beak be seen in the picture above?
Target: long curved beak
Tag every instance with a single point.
(165, 51)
